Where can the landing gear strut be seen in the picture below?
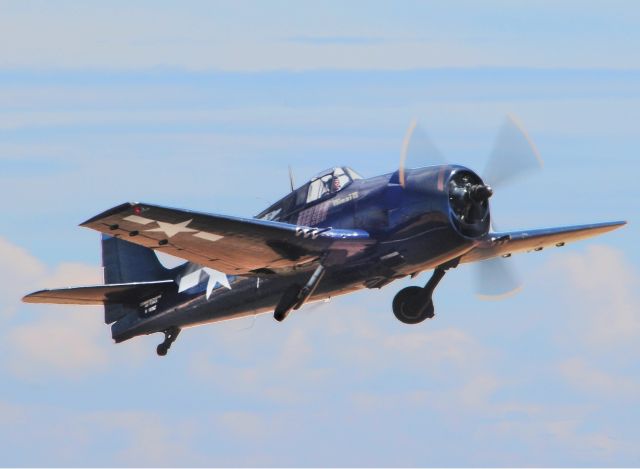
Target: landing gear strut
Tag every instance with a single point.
(413, 305)
(295, 296)
(170, 336)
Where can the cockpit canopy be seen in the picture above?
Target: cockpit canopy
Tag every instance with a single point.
(325, 184)
(329, 182)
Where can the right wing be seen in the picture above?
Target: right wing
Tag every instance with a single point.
(233, 245)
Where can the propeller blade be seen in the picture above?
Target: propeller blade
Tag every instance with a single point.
(418, 150)
(513, 154)
(405, 151)
(495, 279)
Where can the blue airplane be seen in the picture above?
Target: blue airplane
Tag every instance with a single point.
(335, 234)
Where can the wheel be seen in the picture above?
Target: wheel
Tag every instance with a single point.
(162, 350)
(407, 310)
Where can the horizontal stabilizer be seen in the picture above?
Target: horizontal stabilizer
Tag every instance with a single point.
(507, 243)
(118, 293)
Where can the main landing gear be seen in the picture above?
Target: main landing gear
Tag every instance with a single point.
(170, 336)
(413, 305)
(295, 296)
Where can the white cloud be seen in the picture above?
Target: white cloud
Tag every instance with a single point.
(268, 361)
(587, 379)
(68, 274)
(20, 269)
(62, 339)
(602, 292)
(477, 391)
(60, 436)
(597, 443)
(451, 346)
(243, 424)
(11, 414)
(255, 37)
(73, 344)
(149, 439)
(303, 359)
(296, 350)
(200, 38)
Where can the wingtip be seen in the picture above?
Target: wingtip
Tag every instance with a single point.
(106, 213)
(31, 297)
(609, 225)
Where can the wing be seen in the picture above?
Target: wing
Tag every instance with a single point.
(236, 246)
(99, 294)
(507, 243)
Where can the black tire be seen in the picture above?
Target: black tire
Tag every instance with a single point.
(162, 350)
(406, 311)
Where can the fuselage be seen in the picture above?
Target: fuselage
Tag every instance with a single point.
(416, 226)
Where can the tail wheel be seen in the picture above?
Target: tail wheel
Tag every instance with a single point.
(410, 311)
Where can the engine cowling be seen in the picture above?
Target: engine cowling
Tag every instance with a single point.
(469, 203)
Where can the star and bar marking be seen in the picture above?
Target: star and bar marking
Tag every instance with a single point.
(172, 229)
(192, 279)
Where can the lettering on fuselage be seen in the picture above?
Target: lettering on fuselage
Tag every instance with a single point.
(150, 306)
(344, 200)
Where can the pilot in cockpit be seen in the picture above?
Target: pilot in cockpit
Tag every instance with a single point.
(335, 185)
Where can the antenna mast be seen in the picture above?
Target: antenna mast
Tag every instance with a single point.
(291, 181)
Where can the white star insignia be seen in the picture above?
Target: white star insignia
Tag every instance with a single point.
(172, 229)
(216, 277)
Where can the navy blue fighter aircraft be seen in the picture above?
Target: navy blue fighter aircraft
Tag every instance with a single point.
(335, 234)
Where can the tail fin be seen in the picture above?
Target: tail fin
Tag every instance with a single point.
(125, 262)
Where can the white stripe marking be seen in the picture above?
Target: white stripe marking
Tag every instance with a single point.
(138, 220)
(208, 236)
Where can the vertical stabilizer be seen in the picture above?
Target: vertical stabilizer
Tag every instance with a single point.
(126, 262)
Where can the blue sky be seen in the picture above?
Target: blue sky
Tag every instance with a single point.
(203, 105)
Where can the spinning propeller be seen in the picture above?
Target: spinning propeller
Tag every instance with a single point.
(513, 155)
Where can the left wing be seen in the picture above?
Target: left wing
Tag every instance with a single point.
(507, 243)
(115, 293)
(233, 245)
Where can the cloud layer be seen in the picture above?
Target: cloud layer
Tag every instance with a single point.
(329, 35)
(339, 376)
